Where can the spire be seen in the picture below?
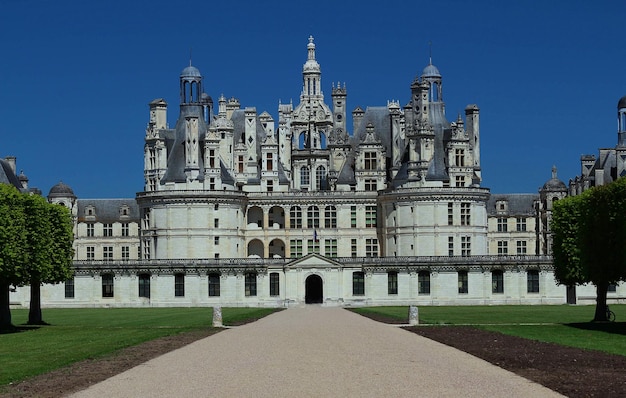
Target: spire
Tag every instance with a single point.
(554, 172)
(311, 48)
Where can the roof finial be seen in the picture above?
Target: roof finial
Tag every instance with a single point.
(554, 172)
(430, 52)
(190, 56)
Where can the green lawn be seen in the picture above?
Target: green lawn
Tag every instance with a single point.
(77, 334)
(561, 324)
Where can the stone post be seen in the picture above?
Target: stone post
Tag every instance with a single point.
(413, 316)
(217, 317)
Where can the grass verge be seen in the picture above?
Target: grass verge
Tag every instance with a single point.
(562, 324)
(77, 334)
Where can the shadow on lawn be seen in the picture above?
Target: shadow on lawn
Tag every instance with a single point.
(607, 327)
(19, 329)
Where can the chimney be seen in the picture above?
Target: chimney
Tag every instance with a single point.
(11, 161)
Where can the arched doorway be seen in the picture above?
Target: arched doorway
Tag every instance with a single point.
(314, 291)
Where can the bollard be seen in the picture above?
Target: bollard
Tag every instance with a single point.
(413, 316)
(217, 317)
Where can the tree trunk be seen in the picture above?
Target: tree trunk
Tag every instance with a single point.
(601, 290)
(34, 314)
(5, 310)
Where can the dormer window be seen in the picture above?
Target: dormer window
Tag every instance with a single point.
(124, 211)
(502, 207)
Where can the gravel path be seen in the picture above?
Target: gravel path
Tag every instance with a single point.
(315, 351)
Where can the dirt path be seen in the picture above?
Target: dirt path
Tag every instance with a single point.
(316, 352)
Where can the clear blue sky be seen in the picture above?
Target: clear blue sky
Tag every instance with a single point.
(76, 77)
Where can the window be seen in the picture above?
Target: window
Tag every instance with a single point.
(320, 178)
(214, 285)
(107, 229)
(313, 217)
(521, 224)
(216, 223)
(107, 285)
(392, 282)
(216, 240)
(521, 247)
(466, 246)
(313, 246)
(370, 216)
(274, 284)
(330, 217)
(270, 186)
(497, 281)
(371, 247)
(144, 285)
(90, 229)
(502, 224)
(353, 247)
(107, 253)
(240, 164)
(270, 162)
(91, 253)
(459, 181)
(459, 155)
(503, 248)
(69, 288)
(532, 281)
(423, 282)
(370, 184)
(125, 252)
(250, 284)
(305, 178)
(612, 288)
(296, 248)
(450, 213)
(125, 229)
(296, 217)
(370, 160)
(465, 214)
(179, 285)
(463, 282)
(330, 248)
(353, 216)
(450, 245)
(358, 283)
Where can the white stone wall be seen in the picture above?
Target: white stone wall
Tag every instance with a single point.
(337, 290)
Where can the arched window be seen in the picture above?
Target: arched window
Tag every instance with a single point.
(320, 178)
(322, 140)
(305, 177)
(313, 217)
(295, 215)
(330, 217)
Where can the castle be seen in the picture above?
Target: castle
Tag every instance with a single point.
(239, 209)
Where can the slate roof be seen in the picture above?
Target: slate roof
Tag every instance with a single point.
(108, 210)
(7, 176)
(518, 204)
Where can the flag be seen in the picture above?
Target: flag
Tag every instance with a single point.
(315, 235)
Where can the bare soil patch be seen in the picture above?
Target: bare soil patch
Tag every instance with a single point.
(570, 371)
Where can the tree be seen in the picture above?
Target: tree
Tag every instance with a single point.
(13, 248)
(589, 243)
(35, 247)
(49, 241)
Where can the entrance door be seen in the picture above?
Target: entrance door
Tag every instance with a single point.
(314, 291)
